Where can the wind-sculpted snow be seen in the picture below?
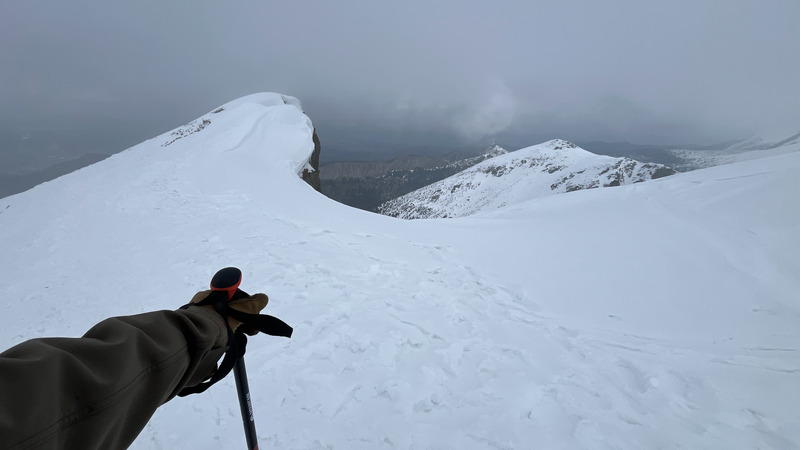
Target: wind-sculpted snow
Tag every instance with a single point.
(556, 166)
(653, 315)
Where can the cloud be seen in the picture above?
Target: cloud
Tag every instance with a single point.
(493, 115)
(679, 71)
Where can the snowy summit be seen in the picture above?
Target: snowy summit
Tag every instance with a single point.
(555, 166)
(652, 315)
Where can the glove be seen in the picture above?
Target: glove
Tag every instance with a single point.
(241, 301)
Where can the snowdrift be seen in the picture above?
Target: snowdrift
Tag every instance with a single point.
(656, 315)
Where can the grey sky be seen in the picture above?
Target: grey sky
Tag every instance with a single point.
(410, 73)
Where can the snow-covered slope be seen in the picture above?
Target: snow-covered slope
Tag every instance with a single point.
(552, 167)
(656, 315)
(745, 150)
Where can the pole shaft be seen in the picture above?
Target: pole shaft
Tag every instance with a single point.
(245, 404)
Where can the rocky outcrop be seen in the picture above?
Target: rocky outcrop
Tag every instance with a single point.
(312, 176)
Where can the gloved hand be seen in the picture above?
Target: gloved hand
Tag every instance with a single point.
(241, 301)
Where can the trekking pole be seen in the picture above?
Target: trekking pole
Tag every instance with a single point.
(224, 286)
(228, 280)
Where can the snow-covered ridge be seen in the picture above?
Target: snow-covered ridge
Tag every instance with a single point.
(490, 152)
(556, 166)
(744, 150)
(253, 116)
(659, 315)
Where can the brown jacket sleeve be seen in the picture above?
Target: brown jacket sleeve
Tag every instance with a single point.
(99, 391)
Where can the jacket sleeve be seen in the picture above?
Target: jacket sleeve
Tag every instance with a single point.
(99, 391)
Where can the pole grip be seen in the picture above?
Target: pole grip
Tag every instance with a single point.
(227, 280)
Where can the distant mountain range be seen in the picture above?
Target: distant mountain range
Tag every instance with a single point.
(368, 184)
(687, 158)
(555, 166)
(692, 159)
(11, 184)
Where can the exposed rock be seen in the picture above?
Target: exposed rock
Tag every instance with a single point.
(556, 166)
(312, 176)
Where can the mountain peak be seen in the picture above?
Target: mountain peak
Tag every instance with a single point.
(494, 150)
(555, 166)
(558, 144)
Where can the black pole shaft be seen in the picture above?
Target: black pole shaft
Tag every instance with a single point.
(227, 280)
(245, 404)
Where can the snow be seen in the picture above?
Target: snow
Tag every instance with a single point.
(656, 315)
(553, 167)
(756, 147)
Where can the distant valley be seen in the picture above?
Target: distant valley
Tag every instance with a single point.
(11, 184)
(369, 184)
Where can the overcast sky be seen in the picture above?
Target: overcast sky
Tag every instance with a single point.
(106, 75)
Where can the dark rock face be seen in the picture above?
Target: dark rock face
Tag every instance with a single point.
(625, 171)
(662, 172)
(312, 177)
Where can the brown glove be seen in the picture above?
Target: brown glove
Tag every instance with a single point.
(242, 301)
